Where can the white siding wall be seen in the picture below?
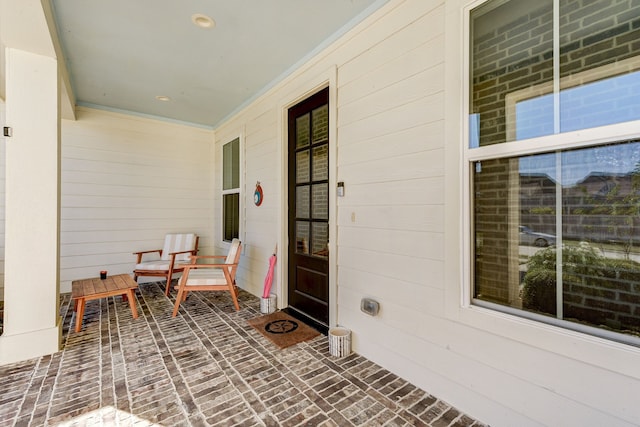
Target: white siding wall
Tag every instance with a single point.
(399, 228)
(126, 182)
(259, 225)
(2, 189)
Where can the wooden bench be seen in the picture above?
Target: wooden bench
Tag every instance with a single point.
(88, 289)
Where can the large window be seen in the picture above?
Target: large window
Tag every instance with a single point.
(554, 160)
(231, 190)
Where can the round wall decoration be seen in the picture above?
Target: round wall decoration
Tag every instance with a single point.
(258, 195)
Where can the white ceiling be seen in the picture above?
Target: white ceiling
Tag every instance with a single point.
(121, 54)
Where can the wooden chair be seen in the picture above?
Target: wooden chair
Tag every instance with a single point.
(210, 277)
(176, 250)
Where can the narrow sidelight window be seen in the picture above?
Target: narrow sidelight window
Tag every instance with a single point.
(231, 190)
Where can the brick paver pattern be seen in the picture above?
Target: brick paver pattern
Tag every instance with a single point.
(206, 367)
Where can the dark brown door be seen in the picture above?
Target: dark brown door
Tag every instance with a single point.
(308, 274)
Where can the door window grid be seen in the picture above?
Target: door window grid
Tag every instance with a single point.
(312, 188)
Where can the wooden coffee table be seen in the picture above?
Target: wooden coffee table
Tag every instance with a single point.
(87, 289)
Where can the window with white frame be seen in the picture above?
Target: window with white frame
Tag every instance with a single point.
(554, 162)
(231, 190)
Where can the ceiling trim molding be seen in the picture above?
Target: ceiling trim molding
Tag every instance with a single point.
(143, 115)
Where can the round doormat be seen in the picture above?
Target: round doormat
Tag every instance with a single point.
(282, 329)
(281, 326)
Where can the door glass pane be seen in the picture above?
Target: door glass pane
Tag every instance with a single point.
(320, 201)
(302, 166)
(320, 244)
(303, 131)
(302, 202)
(321, 124)
(302, 237)
(321, 162)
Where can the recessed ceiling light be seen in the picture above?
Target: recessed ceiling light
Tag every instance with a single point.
(202, 21)
(163, 98)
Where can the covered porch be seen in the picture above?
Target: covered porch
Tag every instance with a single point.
(427, 190)
(206, 367)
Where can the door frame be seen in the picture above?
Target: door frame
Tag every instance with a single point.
(305, 90)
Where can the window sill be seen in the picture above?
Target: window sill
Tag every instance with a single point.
(553, 339)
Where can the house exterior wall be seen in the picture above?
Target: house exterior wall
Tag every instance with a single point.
(126, 182)
(397, 117)
(2, 194)
(397, 98)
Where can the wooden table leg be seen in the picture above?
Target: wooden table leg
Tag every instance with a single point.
(132, 303)
(79, 314)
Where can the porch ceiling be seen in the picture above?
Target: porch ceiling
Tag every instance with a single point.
(122, 54)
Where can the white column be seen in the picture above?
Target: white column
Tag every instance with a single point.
(32, 325)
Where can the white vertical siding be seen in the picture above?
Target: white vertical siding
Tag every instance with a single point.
(399, 228)
(126, 182)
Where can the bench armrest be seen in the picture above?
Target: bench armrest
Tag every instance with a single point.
(196, 266)
(146, 252)
(190, 251)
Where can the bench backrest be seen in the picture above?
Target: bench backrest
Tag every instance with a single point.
(179, 243)
(234, 253)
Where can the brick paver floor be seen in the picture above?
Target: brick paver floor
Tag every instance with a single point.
(205, 367)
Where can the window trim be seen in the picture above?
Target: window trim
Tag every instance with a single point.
(238, 190)
(513, 148)
(488, 323)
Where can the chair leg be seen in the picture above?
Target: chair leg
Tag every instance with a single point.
(176, 306)
(168, 288)
(234, 296)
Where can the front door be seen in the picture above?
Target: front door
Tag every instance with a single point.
(308, 127)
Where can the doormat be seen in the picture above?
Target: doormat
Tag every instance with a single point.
(282, 329)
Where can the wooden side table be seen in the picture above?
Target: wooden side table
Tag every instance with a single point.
(88, 289)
